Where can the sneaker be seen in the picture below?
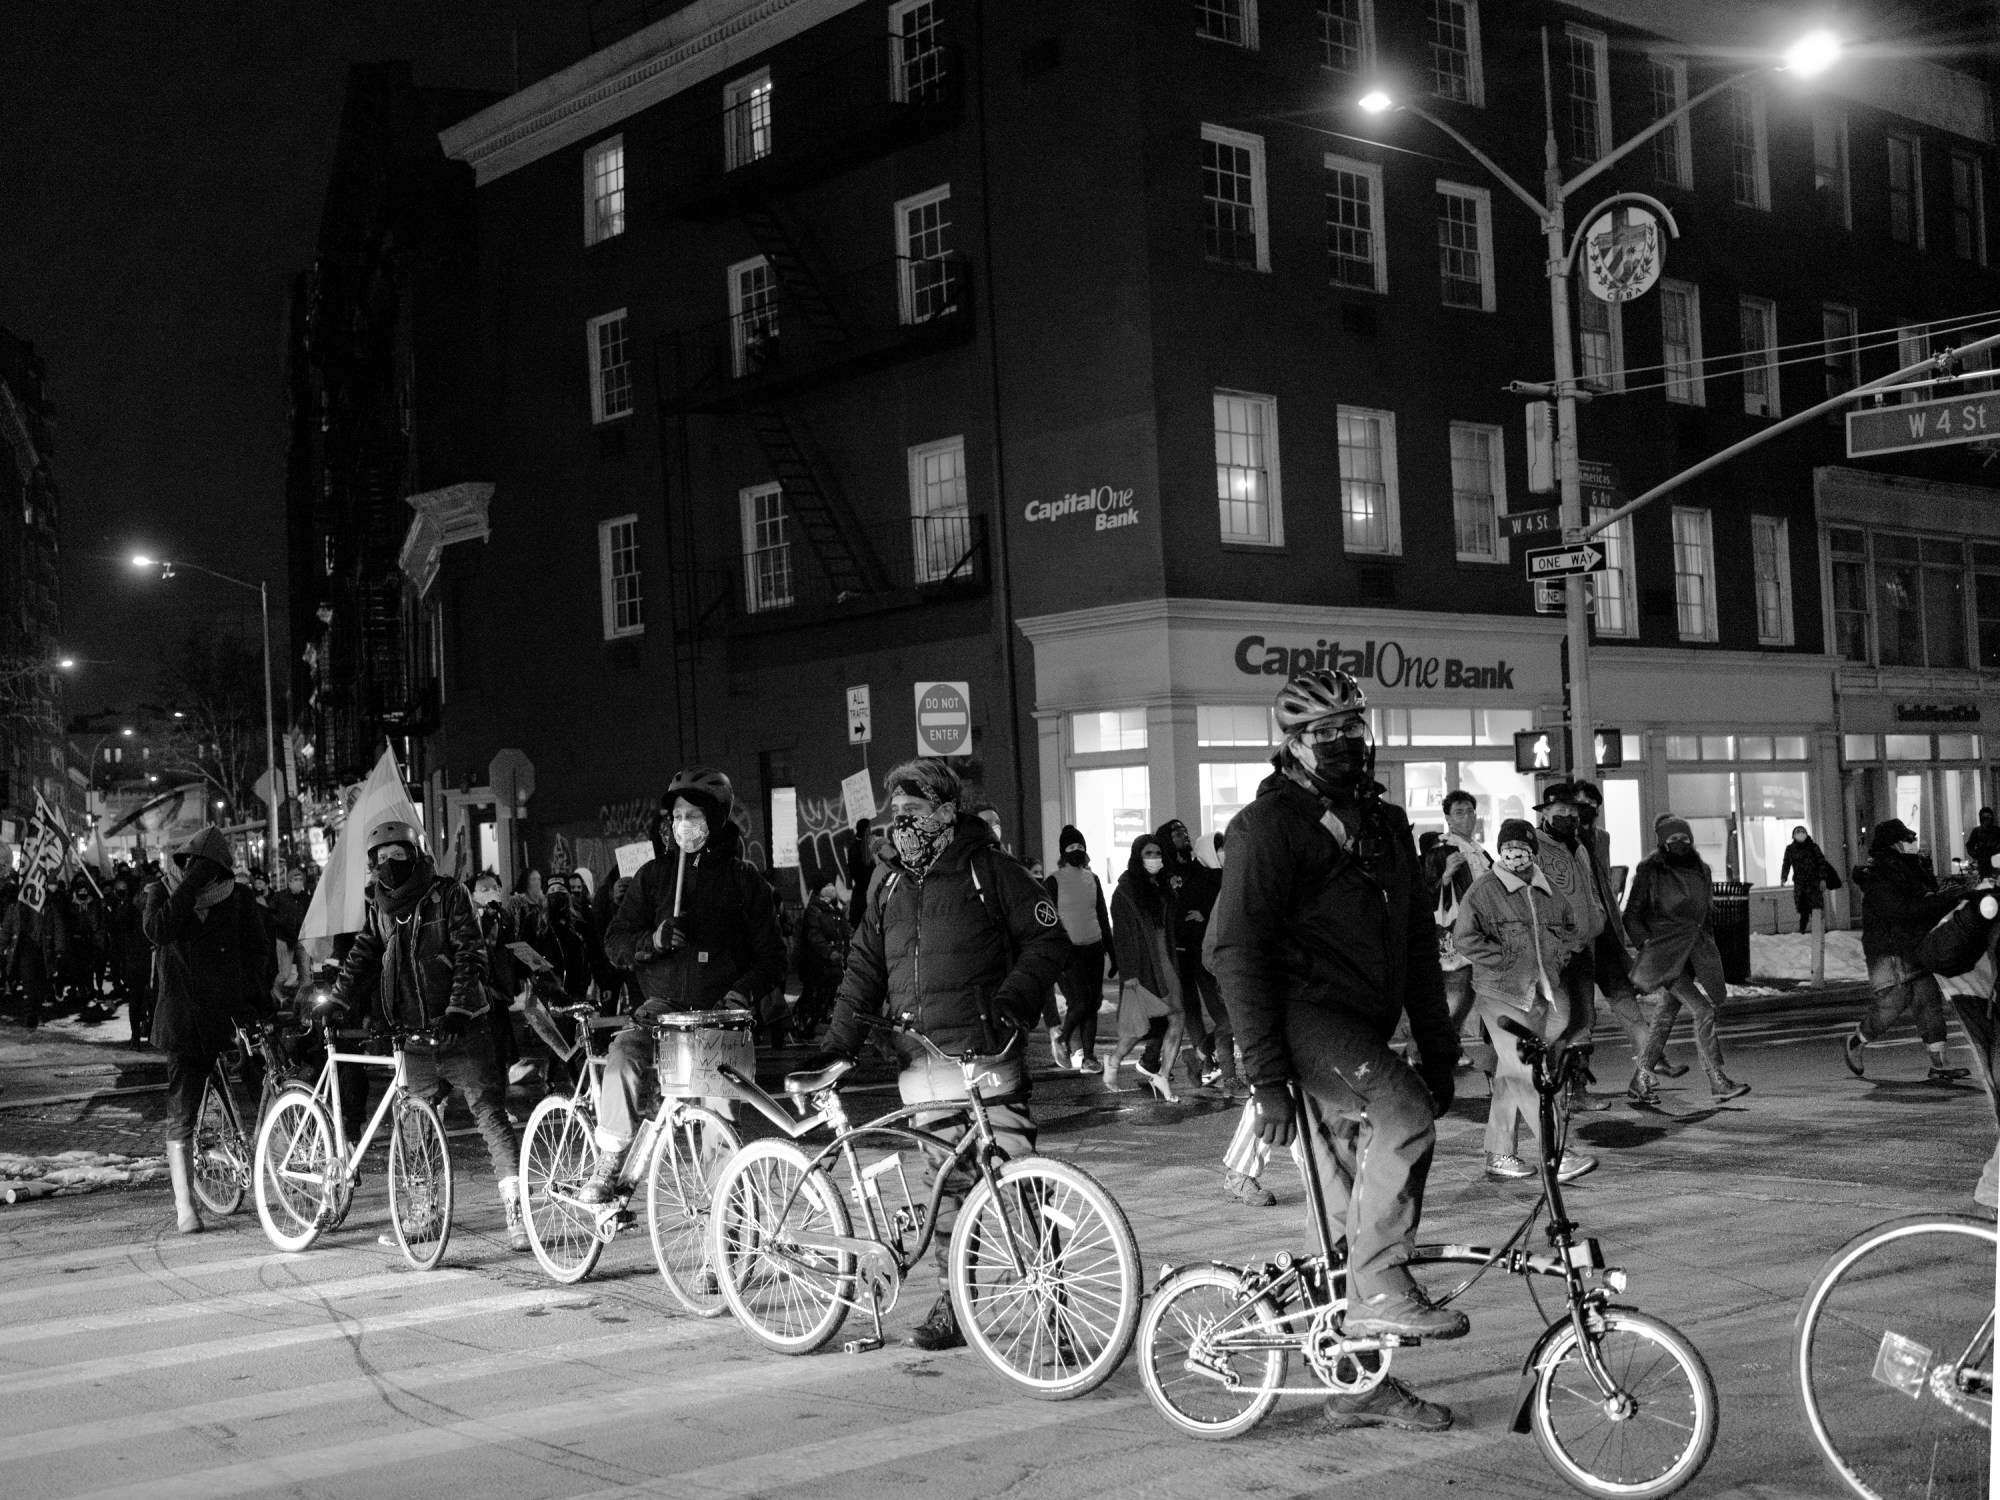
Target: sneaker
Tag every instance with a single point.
(1056, 1049)
(1851, 1054)
(1506, 1167)
(1210, 1076)
(1409, 1314)
(937, 1332)
(517, 1228)
(1390, 1404)
(1574, 1164)
(1942, 1074)
(1077, 1063)
(602, 1184)
(1246, 1189)
(1722, 1089)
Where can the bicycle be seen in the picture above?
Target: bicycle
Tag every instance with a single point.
(558, 1150)
(1620, 1403)
(1893, 1356)
(1043, 1271)
(306, 1172)
(223, 1152)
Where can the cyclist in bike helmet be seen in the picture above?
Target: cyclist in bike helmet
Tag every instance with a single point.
(699, 930)
(1323, 939)
(420, 945)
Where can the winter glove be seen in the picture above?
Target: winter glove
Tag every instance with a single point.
(1439, 1078)
(452, 1027)
(1273, 1103)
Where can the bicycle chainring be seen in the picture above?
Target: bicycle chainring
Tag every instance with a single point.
(1345, 1371)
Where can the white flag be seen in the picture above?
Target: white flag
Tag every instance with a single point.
(341, 898)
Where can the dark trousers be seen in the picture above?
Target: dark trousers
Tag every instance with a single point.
(1013, 1131)
(469, 1067)
(506, 1051)
(1982, 1029)
(1213, 1037)
(1083, 996)
(186, 1073)
(139, 995)
(1918, 995)
(1374, 1135)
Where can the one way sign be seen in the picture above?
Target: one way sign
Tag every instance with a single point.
(1564, 561)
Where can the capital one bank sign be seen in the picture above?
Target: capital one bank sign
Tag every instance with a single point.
(1387, 664)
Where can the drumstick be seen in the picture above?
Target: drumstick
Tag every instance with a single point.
(680, 875)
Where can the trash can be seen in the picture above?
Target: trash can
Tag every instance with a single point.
(1729, 920)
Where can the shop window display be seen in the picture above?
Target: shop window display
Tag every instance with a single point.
(1226, 789)
(1113, 807)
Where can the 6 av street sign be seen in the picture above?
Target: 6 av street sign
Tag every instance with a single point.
(1923, 424)
(1564, 561)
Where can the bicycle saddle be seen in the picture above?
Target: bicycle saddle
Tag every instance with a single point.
(824, 1078)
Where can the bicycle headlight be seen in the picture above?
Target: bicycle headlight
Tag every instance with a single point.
(1616, 1279)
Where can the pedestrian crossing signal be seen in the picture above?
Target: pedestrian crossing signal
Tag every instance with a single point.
(1541, 750)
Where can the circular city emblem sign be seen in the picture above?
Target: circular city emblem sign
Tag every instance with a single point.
(1623, 254)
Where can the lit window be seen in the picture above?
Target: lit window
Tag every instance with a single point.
(1227, 787)
(1830, 177)
(610, 367)
(1231, 21)
(604, 190)
(1842, 356)
(1232, 198)
(1680, 342)
(618, 577)
(923, 228)
(940, 511)
(1112, 806)
(916, 35)
(1355, 250)
(1673, 152)
(1589, 76)
(753, 316)
(1465, 260)
(1234, 724)
(1968, 208)
(1749, 161)
(767, 549)
(1478, 492)
(1694, 574)
(1454, 45)
(1347, 34)
(1369, 521)
(1600, 338)
(1108, 729)
(1757, 319)
(747, 119)
(1614, 588)
(1246, 467)
(1770, 553)
(1906, 190)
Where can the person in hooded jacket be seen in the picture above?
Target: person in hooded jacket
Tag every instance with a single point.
(1079, 898)
(1900, 903)
(33, 945)
(212, 941)
(699, 930)
(1809, 873)
(1191, 891)
(1667, 916)
(420, 947)
(1151, 1010)
(959, 942)
(819, 953)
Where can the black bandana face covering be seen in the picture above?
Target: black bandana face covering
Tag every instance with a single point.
(919, 836)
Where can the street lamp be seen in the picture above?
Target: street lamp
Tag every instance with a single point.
(1809, 56)
(263, 593)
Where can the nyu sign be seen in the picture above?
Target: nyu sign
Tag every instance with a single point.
(1108, 506)
(1385, 662)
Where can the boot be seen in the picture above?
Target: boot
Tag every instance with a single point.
(602, 1184)
(1642, 1090)
(517, 1228)
(1723, 1088)
(180, 1167)
(939, 1330)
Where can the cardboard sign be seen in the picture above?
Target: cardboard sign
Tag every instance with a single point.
(632, 859)
(858, 793)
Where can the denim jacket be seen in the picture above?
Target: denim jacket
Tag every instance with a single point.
(1517, 933)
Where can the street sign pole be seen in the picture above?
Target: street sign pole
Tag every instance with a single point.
(1576, 611)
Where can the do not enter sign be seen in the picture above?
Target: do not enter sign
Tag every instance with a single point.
(944, 718)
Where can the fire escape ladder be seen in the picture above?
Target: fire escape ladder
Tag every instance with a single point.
(793, 263)
(814, 504)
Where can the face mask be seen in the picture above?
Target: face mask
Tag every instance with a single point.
(1514, 858)
(1586, 814)
(393, 871)
(919, 836)
(558, 903)
(1681, 852)
(690, 832)
(1562, 824)
(1153, 863)
(1337, 766)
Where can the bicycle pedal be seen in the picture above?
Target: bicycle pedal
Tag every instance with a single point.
(860, 1346)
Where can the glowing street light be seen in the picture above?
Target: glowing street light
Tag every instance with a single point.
(140, 560)
(67, 663)
(1812, 54)
(1375, 102)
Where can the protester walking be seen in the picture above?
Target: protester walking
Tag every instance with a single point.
(131, 955)
(1809, 873)
(1079, 901)
(819, 954)
(1900, 903)
(1667, 916)
(1450, 866)
(1964, 951)
(1150, 1008)
(1982, 844)
(1568, 862)
(33, 945)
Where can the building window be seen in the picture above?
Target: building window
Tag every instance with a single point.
(1913, 347)
(1680, 342)
(1589, 75)
(1600, 338)
(1757, 320)
(1369, 521)
(1614, 586)
(923, 228)
(1749, 152)
(753, 316)
(940, 511)
(1849, 549)
(1770, 553)
(1694, 574)
(1986, 603)
(1455, 73)
(1232, 198)
(1231, 21)
(1909, 593)
(1112, 807)
(1968, 208)
(1246, 468)
(1104, 731)
(1842, 355)
(1347, 35)
(747, 119)
(1830, 179)
(604, 190)
(1478, 492)
(1355, 250)
(917, 51)
(1465, 260)
(618, 577)
(1234, 725)
(1906, 190)
(767, 549)
(1673, 151)
(610, 367)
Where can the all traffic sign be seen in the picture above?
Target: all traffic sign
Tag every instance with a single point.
(860, 719)
(944, 718)
(1564, 561)
(1923, 424)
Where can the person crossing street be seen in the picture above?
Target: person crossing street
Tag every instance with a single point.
(1667, 915)
(1900, 904)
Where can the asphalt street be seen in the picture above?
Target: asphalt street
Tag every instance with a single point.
(134, 1362)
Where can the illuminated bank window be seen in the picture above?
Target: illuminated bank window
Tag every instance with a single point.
(1227, 787)
(1113, 806)
(1234, 724)
(1108, 729)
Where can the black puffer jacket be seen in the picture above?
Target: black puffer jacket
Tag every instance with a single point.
(731, 930)
(1302, 921)
(1142, 933)
(210, 967)
(1900, 902)
(932, 950)
(424, 956)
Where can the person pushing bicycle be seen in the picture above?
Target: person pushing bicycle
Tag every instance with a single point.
(1323, 939)
(990, 947)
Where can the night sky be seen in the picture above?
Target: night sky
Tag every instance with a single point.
(162, 169)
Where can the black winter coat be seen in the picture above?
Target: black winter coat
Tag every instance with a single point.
(1191, 891)
(932, 950)
(819, 952)
(422, 963)
(210, 968)
(1957, 943)
(1303, 921)
(1900, 902)
(732, 942)
(1142, 932)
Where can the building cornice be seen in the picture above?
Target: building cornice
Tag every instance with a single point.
(699, 42)
(1140, 613)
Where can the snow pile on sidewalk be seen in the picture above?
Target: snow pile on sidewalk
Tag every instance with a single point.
(70, 1172)
(1788, 955)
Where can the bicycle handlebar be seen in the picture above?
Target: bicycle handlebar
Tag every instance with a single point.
(964, 1060)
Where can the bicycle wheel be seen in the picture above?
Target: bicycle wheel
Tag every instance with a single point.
(217, 1152)
(1062, 1324)
(420, 1186)
(765, 1201)
(1186, 1376)
(1893, 1354)
(556, 1158)
(296, 1170)
(687, 1156)
(1659, 1443)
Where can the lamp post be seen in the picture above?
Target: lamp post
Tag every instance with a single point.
(167, 570)
(1809, 56)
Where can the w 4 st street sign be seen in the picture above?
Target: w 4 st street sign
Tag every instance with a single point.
(1923, 424)
(1565, 561)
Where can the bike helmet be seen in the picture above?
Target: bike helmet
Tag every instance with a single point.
(392, 831)
(704, 786)
(1311, 698)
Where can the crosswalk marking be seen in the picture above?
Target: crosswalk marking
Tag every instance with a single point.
(79, 1280)
(117, 1366)
(1285, 1469)
(303, 1294)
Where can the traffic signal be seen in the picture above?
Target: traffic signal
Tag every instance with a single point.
(1610, 749)
(1541, 750)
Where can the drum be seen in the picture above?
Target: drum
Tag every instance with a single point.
(689, 1046)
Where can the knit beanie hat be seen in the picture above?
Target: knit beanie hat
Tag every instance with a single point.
(1515, 831)
(1888, 834)
(1070, 838)
(1670, 825)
